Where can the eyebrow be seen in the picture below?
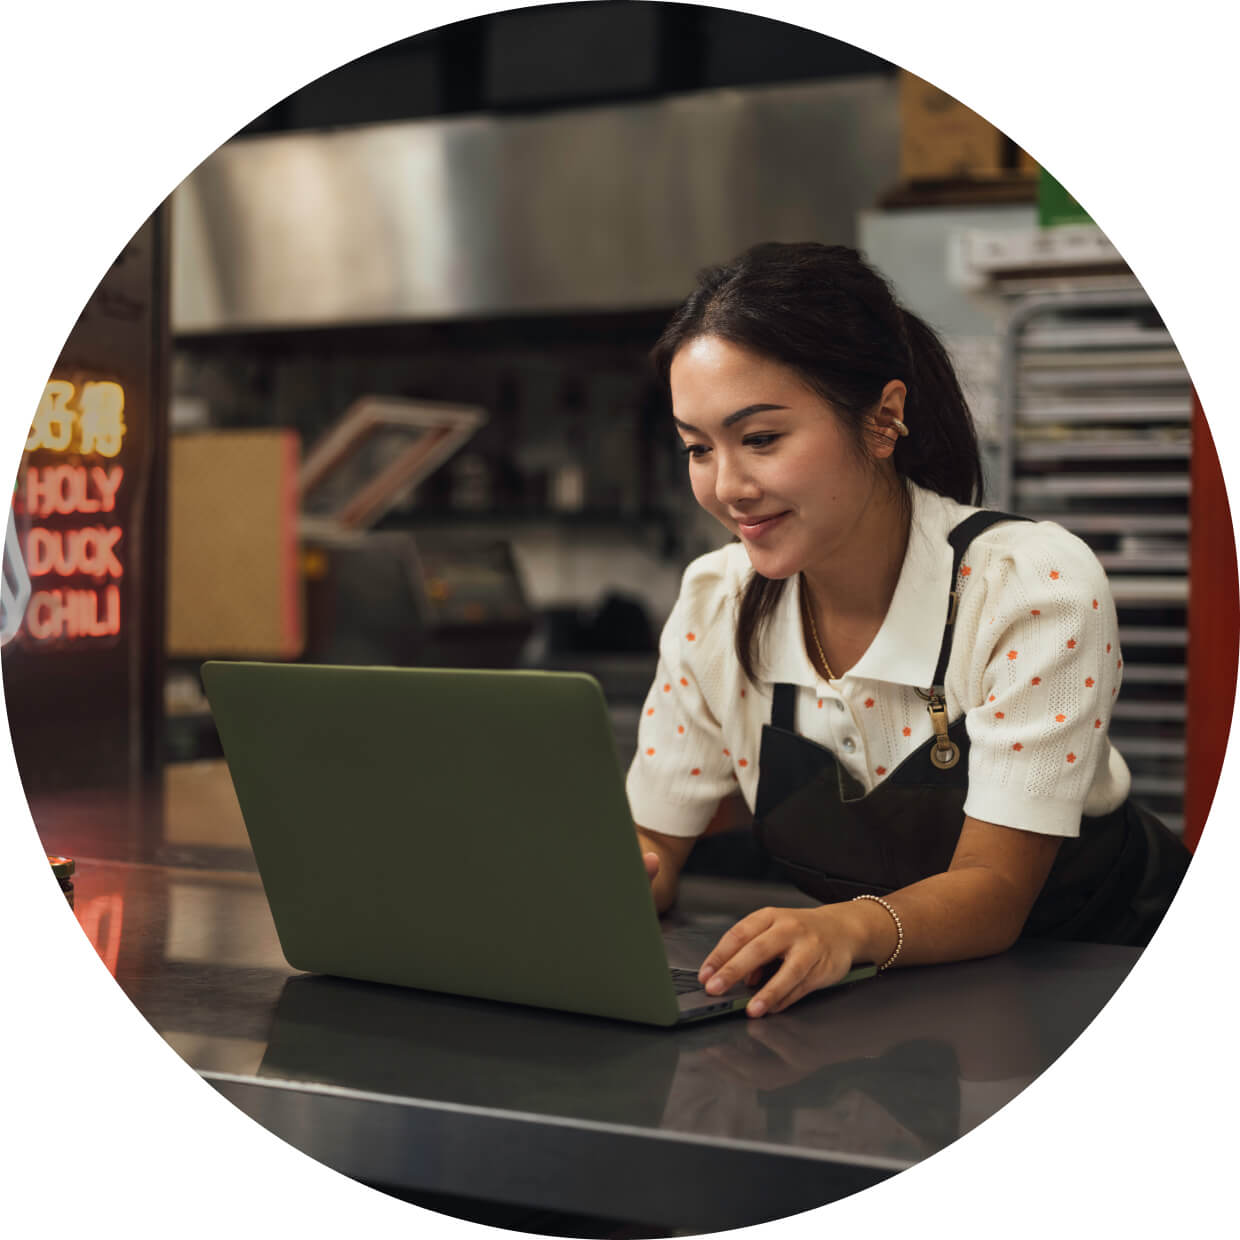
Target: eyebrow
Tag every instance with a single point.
(732, 418)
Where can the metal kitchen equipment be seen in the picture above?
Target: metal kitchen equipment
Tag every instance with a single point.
(1095, 408)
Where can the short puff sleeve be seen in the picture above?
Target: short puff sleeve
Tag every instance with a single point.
(680, 771)
(1040, 679)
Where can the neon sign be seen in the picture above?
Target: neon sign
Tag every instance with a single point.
(14, 584)
(90, 552)
(74, 613)
(68, 489)
(97, 425)
(81, 423)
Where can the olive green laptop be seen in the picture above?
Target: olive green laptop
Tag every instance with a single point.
(456, 831)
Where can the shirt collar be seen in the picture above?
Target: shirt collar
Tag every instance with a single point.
(905, 650)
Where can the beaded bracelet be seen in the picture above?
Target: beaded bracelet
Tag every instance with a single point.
(899, 929)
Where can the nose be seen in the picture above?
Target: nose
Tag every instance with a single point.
(733, 481)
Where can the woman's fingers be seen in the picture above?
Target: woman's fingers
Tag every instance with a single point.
(793, 979)
(812, 971)
(745, 930)
(803, 942)
(760, 950)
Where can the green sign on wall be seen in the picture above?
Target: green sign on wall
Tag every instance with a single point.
(1056, 205)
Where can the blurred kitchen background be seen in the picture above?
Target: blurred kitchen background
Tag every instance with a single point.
(371, 387)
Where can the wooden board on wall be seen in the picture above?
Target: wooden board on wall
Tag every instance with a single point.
(233, 578)
(941, 139)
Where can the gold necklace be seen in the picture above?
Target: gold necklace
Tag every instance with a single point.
(813, 628)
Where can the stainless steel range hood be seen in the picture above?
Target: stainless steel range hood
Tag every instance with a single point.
(609, 208)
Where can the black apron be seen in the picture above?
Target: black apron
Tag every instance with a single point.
(1111, 884)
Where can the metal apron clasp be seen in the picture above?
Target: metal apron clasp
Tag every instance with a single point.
(946, 753)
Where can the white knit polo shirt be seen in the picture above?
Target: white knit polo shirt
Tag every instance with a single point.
(1035, 667)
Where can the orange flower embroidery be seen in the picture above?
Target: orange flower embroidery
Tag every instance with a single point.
(880, 770)
(1072, 757)
(1108, 647)
(696, 771)
(1071, 643)
(743, 762)
(1095, 604)
(1097, 723)
(667, 688)
(681, 729)
(727, 753)
(820, 703)
(1119, 663)
(742, 693)
(1054, 574)
(991, 698)
(650, 710)
(1036, 612)
(683, 681)
(1011, 654)
(908, 731)
(691, 637)
(1089, 682)
(999, 714)
(1018, 746)
(650, 751)
(1037, 680)
(965, 570)
(869, 702)
(1060, 718)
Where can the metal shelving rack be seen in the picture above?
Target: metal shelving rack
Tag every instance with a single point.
(1095, 416)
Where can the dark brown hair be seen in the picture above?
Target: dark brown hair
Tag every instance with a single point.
(824, 313)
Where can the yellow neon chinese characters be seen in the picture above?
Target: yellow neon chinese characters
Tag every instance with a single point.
(102, 423)
(98, 422)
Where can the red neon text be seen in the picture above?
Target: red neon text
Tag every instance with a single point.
(74, 613)
(72, 488)
(90, 552)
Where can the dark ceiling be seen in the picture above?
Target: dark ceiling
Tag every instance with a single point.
(565, 55)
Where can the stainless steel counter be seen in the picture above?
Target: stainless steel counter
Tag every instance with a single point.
(704, 1128)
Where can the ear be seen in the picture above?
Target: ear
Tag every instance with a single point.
(880, 421)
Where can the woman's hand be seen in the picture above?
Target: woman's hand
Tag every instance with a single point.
(816, 948)
(663, 856)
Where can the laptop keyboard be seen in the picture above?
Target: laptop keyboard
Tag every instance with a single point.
(685, 981)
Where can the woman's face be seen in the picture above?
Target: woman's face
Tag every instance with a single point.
(768, 457)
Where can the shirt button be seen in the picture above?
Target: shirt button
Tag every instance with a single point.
(849, 744)
(839, 704)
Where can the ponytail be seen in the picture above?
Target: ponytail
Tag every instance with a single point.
(940, 452)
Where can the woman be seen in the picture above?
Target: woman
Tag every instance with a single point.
(912, 696)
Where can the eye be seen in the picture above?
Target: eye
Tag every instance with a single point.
(762, 440)
(695, 451)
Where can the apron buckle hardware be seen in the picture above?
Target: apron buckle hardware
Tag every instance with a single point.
(946, 753)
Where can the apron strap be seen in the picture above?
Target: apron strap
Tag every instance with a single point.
(783, 707)
(960, 538)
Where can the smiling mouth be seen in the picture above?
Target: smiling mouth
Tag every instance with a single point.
(753, 523)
